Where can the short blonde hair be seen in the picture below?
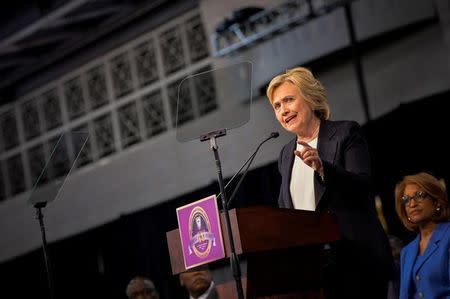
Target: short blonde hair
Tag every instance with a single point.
(310, 88)
(435, 190)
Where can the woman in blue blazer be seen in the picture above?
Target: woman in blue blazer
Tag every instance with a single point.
(422, 205)
(326, 168)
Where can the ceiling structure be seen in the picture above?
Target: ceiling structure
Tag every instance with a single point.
(39, 34)
(35, 35)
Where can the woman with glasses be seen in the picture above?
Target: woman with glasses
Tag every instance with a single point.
(422, 204)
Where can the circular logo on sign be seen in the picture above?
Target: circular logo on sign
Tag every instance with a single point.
(201, 237)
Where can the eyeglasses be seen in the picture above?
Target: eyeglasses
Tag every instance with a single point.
(418, 197)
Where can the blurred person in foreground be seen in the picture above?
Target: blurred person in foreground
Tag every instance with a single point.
(422, 204)
(199, 284)
(141, 288)
(326, 168)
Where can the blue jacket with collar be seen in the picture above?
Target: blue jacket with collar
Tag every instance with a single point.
(432, 276)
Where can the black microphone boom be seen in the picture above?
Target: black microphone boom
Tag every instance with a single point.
(247, 163)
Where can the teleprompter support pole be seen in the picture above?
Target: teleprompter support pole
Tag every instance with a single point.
(234, 261)
(40, 217)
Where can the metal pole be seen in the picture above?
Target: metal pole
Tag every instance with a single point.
(357, 60)
(40, 217)
(234, 261)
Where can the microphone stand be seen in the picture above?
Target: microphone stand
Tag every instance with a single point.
(234, 261)
(40, 218)
(240, 181)
(247, 163)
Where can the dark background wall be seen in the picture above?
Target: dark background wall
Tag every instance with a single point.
(410, 139)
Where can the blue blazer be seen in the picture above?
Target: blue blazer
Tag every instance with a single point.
(345, 191)
(432, 277)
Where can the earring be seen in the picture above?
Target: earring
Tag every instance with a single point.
(438, 208)
(409, 219)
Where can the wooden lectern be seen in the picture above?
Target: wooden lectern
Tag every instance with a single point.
(280, 252)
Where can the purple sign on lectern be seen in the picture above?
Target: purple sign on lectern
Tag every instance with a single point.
(200, 232)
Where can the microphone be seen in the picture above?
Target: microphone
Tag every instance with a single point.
(247, 163)
(273, 135)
